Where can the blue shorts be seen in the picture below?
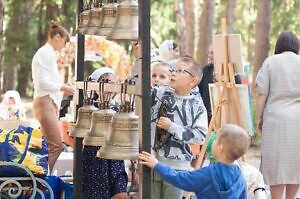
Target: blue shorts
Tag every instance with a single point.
(102, 178)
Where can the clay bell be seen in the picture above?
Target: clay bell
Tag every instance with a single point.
(83, 121)
(100, 127)
(126, 25)
(83, 21)
(123, 141)
(95, 16)
(108, 19)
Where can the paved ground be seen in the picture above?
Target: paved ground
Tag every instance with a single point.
(253, 156)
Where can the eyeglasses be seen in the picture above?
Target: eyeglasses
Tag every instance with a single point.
(182, 71)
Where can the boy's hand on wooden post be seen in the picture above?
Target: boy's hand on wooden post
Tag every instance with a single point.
(147, 159)
(164, 123)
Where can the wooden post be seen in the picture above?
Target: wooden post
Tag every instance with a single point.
(144, 36)
(79, 69)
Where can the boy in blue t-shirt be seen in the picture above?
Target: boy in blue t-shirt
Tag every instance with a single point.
(221, 180)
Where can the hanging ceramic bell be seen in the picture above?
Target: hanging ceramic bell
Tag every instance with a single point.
(109, 14)
(126, 25)
(83, 122)
(94, 21)
(123, 142)
(100, 128)
(83, 21)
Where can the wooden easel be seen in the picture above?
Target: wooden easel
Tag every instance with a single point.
(226, 86)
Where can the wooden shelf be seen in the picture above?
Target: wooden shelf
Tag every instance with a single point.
(109, 87)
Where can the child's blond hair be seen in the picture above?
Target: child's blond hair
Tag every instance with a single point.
(160, 63)
(235, 141)
(194, 68)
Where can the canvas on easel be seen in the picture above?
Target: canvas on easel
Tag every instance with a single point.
(244, 105)
(234, 51)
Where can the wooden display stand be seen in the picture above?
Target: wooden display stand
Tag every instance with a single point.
(226, 86)
(141, 91)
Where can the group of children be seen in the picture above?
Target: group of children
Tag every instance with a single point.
(184, 122)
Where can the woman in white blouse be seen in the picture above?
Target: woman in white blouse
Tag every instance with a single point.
(47, 89)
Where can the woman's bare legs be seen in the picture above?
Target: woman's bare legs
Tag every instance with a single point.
(291, 191)
(277, 191)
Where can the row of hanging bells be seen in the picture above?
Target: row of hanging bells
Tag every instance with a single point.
(117, 133)
(116, 21)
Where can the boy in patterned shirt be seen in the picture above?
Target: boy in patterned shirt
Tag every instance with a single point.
(184, 123)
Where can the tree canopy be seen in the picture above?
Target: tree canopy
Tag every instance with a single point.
(25, 25)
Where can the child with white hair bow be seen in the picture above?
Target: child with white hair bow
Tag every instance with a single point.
(11, 106)
(169, 50)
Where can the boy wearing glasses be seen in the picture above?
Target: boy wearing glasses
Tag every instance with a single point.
(183, 122)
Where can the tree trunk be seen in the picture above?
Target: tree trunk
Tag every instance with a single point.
(262, 37)
(47, 10)
(18, 53)
(181, 33)
(2, 5)
(40, 22)
(197, 12)
(11, 76)
(230, 14)
(69, 16)
(206, 28)
(189, 29)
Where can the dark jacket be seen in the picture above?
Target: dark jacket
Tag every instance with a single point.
(208, 77)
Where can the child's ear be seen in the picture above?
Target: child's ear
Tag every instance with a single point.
(220, 148)
(194, 82)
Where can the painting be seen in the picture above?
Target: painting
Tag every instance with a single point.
(245, 106)
(234, 49)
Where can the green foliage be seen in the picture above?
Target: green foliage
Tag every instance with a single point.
(244, 23)
(18, 40)
(285, 15)
(163, 21)
(27, 21)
